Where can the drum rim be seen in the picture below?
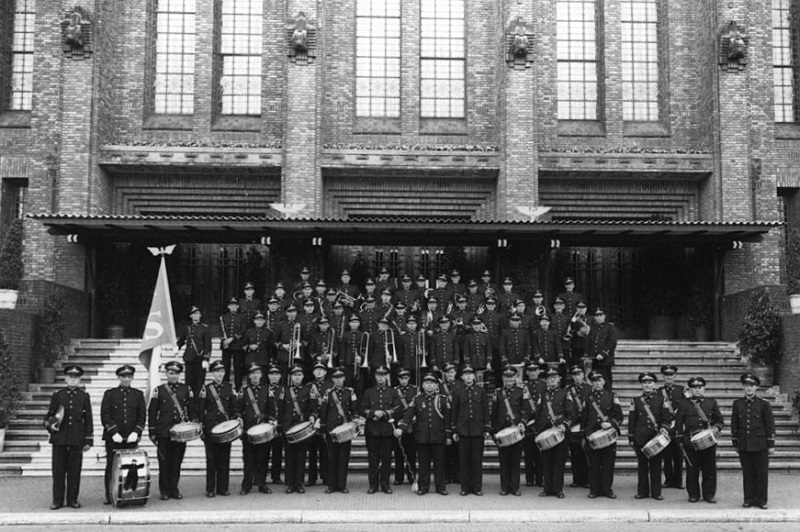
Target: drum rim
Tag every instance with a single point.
(294, 428)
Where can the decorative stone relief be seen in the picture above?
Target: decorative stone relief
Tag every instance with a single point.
(76, 34)
(302, 39)
(733, 45)
(519, 44)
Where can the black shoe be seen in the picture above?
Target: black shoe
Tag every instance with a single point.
(611, 495)
(422, 492)
(592, 495)
(345, 490)
(544, 493)
(106, 501)
(658, 498)
(479, 493)
(503, 493)
(165, 497)
(75, 505)
(710, 500)
(371, 491)
(244, 492)
(694, 499)
(311, 483)
(763, 506)
(329, 490)
(747, 504)
(300, 489)
(516, 493)
(637, 496)
(529, 483)
(277, 481)
(225, 493)
(264, 489)
(666, 485)
(176, 495)
(398, 482)
(388, 491)
(56, 506)
(679, 486)
(575, 485)
(463, 493)
(560, 495)
(441, 492)
(210, 494)
(289, 490)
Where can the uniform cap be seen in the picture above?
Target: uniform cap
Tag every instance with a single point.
(508, 280)
(432, 300)
(173, 365)
(214, 366)
(576, 369)
(308, 303)
(321, 283)
(249, 285)
(384, 270)
(532, 366)
(254, 367)
(323, 321)
(411, 319)
(538, 293)
(403, 373)
(126, 370)
(384, 321)
(320, 365)
(305, 270)
(296, 369)
(515, 317)
(696, 382)
(274, 369)
(558, 300)
(405, 278)
(444, 319)
(569, 280)
(194, 309)
(74, 370)
(647, 376)
(386, 292)
(400, 306)
(599, 312)
(491, 301)
(259, 315)
(330, 292)
(430, 377)
(455, 273)
(421, 277)
(595, 375)
(749, 378)
(381, 370)
(273, 301)
(370, 281)
(442, 277)
(291, 308)
(233, 301)
(461, 298)
(448, 367)
(581, 304)
(544, 317)
(345, 272)
(306, 285)
(486, 273)
(669, 370)
(476, 320)
(355, 317)
(551, 371)
(472, 282)
(337, 372)
(370, 299)
(509, 371)
(279, 285)
(467, 369)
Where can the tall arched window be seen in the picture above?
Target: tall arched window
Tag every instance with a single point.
(17, 93)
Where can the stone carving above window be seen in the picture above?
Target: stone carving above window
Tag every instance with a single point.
(519, 44)
(76, 34)
(302, 39)
(733, 47)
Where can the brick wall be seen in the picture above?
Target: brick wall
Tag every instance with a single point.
(789, 375)
(19, 329)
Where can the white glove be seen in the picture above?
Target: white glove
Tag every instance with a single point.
(116, 438)
(133, 437)
(205, 364)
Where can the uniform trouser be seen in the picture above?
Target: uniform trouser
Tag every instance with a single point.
(451, 464)
(577, 457)
(410, 447)
(67, 464)
(350, 379)
(317, 458)
(275, 458)
(233, 361)
(601, 469)
(379, 449)
(170, 457)
(470, 462)
(218, 466)
(649, 470)
(755, 476)
(533, 460)
(295, 463)
(425, 453)
(704, 462)
(111, 449)
(338, 464)
(254, 458)
(509, 467)
(553, 462)
(195, 376)
(673, 464)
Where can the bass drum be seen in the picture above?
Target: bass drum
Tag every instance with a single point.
(130, 478)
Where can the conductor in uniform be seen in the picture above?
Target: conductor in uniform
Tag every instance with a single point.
(648, 418)
(753, 433)
(123, 413)
(471, 425)
(380, 406)
(170, 404)
(217, 402)
(69, 422)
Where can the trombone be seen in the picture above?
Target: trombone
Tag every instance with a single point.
(296, 332)
(329, 338)
(363, 352)
(421, 353)
(389, 346)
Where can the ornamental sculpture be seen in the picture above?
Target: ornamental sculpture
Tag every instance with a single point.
(302, 39)
(76, 34)
(519, 44)
(733, 48)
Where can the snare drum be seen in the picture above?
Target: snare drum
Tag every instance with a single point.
(655, 446)
(549, 438)
(130, 478)
(602, 438)
(262, 433)
(509, 436)
(704, 439)
(300, 432)
(185, 432)
(227, 431)
(344, 432)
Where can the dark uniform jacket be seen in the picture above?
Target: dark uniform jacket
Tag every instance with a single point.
(289, 415)
(609, 406)
(752, 425)
(602, 341)
(262, 338)
(506, 299)
(641, 428)
(234, 325)
(378, 355)
(407, 297)
(284, 336)
(318, 346)
(474, 302)
(547, 345)
(272, 319)
(329, 415)
(76, 426)
(571, 300)
(266, 399)
(515, 346)
(520, 407)
(407, 352)
(477, 350)
(122, 412)
(197, 338)
(350, 347)
(369, 319)
(673, 397)
(309, 322)
(248, 307)
(383, 398)
(495, 323)
(163, 414)
(406, 394)
(431, 419)
(445, 349)
(579, 394)
(208, 410)
(688, 421)
(563, 408)
(470, 411)
(560, 323)
(317, 389)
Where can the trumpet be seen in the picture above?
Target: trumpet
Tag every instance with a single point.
(363, 351)
(296, 332)
(330, 335)
(540, 311)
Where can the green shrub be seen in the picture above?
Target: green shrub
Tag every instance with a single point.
(760, 333)
(10, 384)
(11, 267)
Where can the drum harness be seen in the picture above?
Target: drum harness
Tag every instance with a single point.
(600, 413)
(296, 406)
(702, 415)
(509, 413)
(177, 404)
(217, 400)
(649, 415)
(254, 404)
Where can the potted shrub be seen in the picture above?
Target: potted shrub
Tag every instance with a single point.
(52, 336)
(11, 267)
(10, 389)
(793, 269)
(760, 337)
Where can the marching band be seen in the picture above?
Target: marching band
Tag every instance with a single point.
(347, 366)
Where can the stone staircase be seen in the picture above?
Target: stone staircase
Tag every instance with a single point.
(28, 453)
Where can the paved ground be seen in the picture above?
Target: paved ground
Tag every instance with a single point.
(26, 501)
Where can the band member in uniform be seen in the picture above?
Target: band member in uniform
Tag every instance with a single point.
(279, 293)
(448, 385)
(349, 290)
(339, 405)
(570, 296)
(578, 392)
(350, 354)
(442, 292)
(648, 417)
(546, 346)
(69, 422)
(338, 321)
(495, 322)
(249, 304)
(295, 407)
(317, 452)
(257, 403)
(603, 411)
(476, 302)
(602, 344)
(273, 315)
(170, 404)
(369, 316)
(515, 345)
(197, 338)
(579, 329)
(444, 346)
(380, 406)
(455, 285)
(122, 412)
(380, 350)
(486, 285)
(431, 420)
(510, 408)
(217, 402)
(471, 426)
(399, 319)
(322, 343)
(694, 415)
(753, 433)
(407, 295)
(461, 319)
(258, 342)
(673, 395)
(477, 352)
(406, 392)
(284, 340)
(535, 387)
(274, 458)
(305, 279)
(560, 323)
(384, 283)
(554, 409)
(507, 297)
(233, 326)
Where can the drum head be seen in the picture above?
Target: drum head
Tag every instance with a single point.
(225, 426)
(299, 427)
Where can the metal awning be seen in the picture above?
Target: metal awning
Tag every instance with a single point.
(400, 231)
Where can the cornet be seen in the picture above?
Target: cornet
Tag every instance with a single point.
(296, 332)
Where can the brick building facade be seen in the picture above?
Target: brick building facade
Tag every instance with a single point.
(118, 145)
